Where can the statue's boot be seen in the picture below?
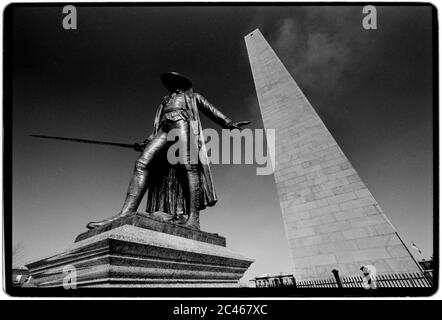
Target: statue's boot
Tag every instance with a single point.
(163, 216)
(135, 193)
(193, 221)
(123, 213)
(97, 224)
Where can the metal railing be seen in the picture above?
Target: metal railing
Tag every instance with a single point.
(397, 280)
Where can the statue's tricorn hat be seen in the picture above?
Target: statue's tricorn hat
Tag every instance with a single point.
(174, 80)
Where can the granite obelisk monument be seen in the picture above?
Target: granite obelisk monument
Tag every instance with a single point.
(331, 219)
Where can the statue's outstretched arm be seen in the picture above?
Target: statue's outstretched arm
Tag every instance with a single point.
(217, 116)
(213, 113)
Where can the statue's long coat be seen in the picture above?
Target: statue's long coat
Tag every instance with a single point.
(164, 192)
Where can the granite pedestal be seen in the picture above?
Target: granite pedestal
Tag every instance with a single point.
(141, 251)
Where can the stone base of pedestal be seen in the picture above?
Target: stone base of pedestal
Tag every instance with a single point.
(133, 256)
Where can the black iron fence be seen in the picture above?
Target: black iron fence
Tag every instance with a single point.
(397, 280)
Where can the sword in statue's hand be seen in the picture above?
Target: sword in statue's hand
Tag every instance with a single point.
(134, 146)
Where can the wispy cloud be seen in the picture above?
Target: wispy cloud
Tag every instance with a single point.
(320, 45)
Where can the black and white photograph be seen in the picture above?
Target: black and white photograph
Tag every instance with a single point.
(220, 150)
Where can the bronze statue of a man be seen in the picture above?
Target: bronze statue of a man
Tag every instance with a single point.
(178, 191)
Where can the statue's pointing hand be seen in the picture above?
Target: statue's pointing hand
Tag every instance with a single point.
(238, 125)
(140, 146)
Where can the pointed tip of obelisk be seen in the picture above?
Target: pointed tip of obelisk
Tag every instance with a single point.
(256, 31)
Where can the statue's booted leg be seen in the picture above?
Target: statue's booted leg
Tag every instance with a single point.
(139, 181)
(189, 176)
(192, 188)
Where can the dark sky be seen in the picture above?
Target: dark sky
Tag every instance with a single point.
(373, 89)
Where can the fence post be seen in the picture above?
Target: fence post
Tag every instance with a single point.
(338, 279)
